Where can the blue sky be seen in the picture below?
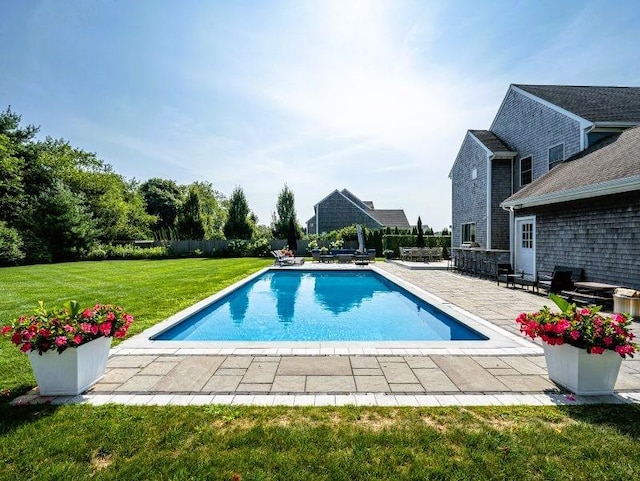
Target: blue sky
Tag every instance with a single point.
(372, 96)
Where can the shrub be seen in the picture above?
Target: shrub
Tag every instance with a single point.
(237, 248)
(11, 245)
(260, 248)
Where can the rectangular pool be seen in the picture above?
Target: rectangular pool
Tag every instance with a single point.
(302, 305)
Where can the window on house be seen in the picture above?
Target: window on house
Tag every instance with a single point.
(556, 155)
(525, 171)
(474, 174)
(469, 232)
(527, 236)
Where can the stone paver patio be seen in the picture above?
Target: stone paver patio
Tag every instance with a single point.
(404, 377)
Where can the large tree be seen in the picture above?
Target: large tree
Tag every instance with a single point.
(239, 221)
(284, 214)
(190, 223)
(163, 199)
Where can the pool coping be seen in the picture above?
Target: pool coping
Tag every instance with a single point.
(499, 342)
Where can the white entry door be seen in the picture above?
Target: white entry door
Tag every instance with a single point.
(525, 248)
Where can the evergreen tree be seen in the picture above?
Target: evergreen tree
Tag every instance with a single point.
(239, 223)
(190, 223)
(420, 240)
(285, 211)
(292, 236)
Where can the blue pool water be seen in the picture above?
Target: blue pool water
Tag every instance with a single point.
(320, 306)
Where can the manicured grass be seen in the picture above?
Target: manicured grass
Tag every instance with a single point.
(218, 442)
(150, 290)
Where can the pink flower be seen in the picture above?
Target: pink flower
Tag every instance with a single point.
(623, 350)
(584, 311)
(111, 317)
(120, 333)
(6, 330)
(87, 313)
(608, 340)
(25, 347)
(618, 318)
(77, 339)
(27, 335)
(93, 329)
(85, 327)
(105, 328)
(597, 350)
(61, 341)
(575, 335)
(69, 328)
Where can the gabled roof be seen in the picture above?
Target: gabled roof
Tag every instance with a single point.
(608, 167)
(368, 203)
(354, 199)
(490, 140)
(596, 104)
(391, 218)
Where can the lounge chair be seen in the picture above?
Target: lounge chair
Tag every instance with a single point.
(283, 260)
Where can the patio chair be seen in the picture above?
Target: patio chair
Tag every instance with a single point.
(283, 260)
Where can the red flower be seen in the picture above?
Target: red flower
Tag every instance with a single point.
(105, 328)
(624, 350)
(575, 335)
(111, 317)
(77, 339)
(85, 327)
(6, 330)
(44, 332)
(26, 347)
(608, 340)
(597, 350)
(16, 338)
(87, 313)
(69, 328)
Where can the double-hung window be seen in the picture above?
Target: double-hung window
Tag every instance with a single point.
(526, 174)
(556, 155)
(469, 232)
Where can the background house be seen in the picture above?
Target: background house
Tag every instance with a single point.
(341, 208)
(507, 194)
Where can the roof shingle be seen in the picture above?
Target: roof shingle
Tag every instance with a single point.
(490, 140)
(596, 104)
(616, 157)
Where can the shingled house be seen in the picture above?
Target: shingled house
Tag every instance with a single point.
(556, 181)
(342, 208)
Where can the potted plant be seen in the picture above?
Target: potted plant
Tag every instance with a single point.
(583, 348)
(68, 347)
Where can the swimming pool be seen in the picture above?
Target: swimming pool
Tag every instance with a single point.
(302, 305)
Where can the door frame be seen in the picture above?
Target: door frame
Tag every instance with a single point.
(516, 244)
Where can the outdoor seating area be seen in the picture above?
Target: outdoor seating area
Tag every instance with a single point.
(283, 259)
(478, 262)
(420, 254)
(345, 256)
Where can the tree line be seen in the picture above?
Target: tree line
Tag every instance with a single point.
(58, 201)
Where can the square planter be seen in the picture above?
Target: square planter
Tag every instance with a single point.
(581, 372)
(72, 372)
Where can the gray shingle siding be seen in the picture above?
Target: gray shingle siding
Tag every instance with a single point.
(601, 235)
(531, 128)
(469, 196)
(336, 212)
(500, 190)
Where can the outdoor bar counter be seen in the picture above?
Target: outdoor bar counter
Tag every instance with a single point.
(479, 261)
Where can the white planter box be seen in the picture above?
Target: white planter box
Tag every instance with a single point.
(581, 372)
(72, 372)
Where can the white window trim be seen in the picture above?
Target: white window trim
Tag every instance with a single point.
(520, 169)
(557, 161)
(462, 241)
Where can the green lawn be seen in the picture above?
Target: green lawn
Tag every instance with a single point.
(149, 290)
(219, 442)
(333, 444)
